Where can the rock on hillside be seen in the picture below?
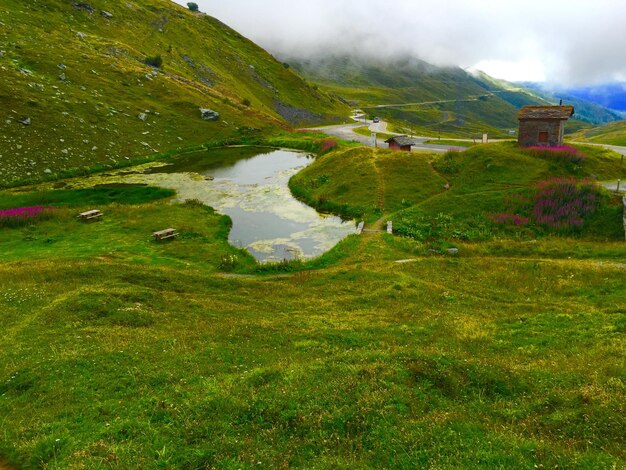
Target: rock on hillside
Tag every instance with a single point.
(91, 83)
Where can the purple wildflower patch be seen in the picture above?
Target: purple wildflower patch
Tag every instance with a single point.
(22, 215)
(327, 144)
(564, 203)
(561, 153)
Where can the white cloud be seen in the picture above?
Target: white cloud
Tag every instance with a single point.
(566, 41)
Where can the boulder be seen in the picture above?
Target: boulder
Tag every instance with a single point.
(106, 14)
(209, 114)
(453, 251)
(85, 7)
(143, 116)
(80, 35)
(62, 77)
(25, 121)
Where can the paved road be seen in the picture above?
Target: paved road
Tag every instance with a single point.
(620, 150)
(346, 132)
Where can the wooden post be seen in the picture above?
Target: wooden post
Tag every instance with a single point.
(624, 200)
(618, 184)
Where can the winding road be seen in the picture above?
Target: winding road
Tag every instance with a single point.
(346, 132)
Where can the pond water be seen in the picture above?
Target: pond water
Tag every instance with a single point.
(251, 186)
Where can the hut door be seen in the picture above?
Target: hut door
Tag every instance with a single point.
(543, 138)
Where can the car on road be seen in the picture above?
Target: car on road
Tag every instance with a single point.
(375, 120)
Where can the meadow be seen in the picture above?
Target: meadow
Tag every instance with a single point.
(386, 352)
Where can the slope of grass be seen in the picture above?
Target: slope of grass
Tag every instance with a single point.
(474, 361)
(366, 182)
(83, 81)
(611, 134)
(455, 102)
(483, 180)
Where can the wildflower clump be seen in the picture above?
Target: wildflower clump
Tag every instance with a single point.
(561, 153)
(22, 216)
(327, 145)
(564, 203)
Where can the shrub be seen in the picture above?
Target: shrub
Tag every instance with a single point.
(560, 204)
(246, 102)
(22, 216)
(561, 153)
(154, 61)
(327, 145)
(563, 203)
(192, 6)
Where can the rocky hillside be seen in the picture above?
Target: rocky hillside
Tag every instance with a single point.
(103, 81)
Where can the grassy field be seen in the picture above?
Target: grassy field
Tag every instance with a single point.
(121, 352)
(612, 134)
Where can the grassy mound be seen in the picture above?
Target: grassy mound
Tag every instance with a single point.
(365, 183)
(486, 179)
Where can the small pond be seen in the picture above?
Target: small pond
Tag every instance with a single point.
(251, 186)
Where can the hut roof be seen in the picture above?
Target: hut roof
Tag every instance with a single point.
(546, 112)
(401, 140)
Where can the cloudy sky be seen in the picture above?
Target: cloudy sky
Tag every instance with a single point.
(566, 42)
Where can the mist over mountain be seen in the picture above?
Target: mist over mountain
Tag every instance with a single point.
(563, 42)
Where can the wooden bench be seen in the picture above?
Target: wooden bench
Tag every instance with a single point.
(89, 215)
(165, 234)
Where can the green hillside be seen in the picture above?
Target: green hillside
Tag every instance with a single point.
(80, 78)
(453, 101)
(475, 195)
(611, 134)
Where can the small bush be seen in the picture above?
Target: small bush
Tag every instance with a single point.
(564, 203)
(562, 153)
(12, 218)
(228, 262)
(154, 61)
(192, 6)
(246, 102)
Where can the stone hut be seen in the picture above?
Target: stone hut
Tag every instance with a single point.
(543, 125)
(400, 142)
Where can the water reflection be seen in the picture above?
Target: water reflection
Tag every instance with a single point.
(250, 186)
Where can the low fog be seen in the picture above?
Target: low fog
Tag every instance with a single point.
(563, 42)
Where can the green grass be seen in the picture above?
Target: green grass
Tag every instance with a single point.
(120, 194)
(365, 131)
(117, 351)
(612, 134)
(472, 361)
(364, 182)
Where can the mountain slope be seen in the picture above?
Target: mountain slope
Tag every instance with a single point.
(451, 100)
(76, 73)
(613, 133)
(587, 110)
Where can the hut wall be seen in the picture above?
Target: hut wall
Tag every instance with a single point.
(530, 130)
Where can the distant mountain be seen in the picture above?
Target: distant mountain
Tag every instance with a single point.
(102, 81)
(446, 99)
(597, 104)
(611, 95)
